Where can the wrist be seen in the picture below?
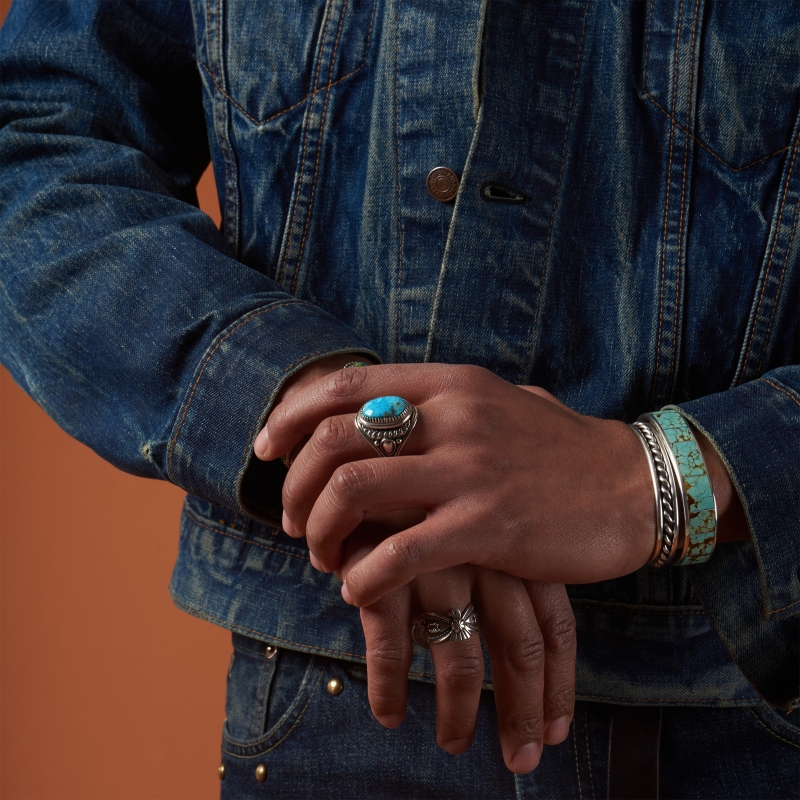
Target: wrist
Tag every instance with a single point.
(316, 370)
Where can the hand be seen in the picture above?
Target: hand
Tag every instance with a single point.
(509, 479)
(529, 631)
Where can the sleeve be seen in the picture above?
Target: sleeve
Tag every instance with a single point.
(751, 590)
(122, 311)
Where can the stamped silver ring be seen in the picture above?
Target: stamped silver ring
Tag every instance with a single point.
(386, 423)
(455, 626)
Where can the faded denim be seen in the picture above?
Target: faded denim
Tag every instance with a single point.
(651, 260)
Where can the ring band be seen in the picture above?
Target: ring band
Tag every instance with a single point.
(386, 422)
(455, 626)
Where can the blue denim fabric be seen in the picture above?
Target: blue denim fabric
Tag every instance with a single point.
(652, 260)
(278, 711)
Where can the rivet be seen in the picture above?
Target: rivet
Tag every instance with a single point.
(221, 772)
(261, 773)
(270, 651)
(335, 686)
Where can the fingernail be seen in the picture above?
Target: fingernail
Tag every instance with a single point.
(262, 443)
(526, 758)
(346, 594)
(457, 746)
(557, 730)
(390, 720)
(315, 562)
(287, 525)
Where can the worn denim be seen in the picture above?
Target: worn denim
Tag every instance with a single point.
(314, 744)
(650, 259)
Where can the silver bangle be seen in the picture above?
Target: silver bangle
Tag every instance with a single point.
(664, 487)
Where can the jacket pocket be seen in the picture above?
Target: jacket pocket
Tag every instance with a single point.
(269, 58)
(268, 692)
(728, 74)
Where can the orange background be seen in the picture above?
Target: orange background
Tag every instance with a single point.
(106, 689)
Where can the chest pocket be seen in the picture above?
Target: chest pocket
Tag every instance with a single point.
(727, 73)
(269, 58)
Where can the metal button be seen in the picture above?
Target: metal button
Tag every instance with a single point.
(442, 184)
(261, 773)
(335, 686)
(221, 772)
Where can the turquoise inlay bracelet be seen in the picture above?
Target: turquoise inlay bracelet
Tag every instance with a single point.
(698, 503)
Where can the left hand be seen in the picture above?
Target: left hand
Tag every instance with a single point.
(509, 479)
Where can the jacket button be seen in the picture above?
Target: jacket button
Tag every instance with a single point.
(261, 773)
(442, 184)
(335, 686)
(221, 772)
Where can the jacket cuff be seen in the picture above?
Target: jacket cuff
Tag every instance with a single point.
(751, 590)
(229, 398)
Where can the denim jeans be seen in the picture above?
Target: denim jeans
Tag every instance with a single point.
(316, 744)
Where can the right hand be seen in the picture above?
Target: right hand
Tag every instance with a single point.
(529, 631)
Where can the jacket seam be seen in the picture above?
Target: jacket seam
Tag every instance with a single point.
(233, 330)
(299, 179)
(675, 72)
(311, 94)
(399, 270)
(779, 224)
(324, 115)
(548, 241)
(780, 287)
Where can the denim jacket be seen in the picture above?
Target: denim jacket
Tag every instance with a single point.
(623, 235)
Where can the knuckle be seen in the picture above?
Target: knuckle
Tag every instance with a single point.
(389, 657)
(331, 434)
(560, 635)
(405, 551)
(351, 481)
(526, 727)
(559, 701)
(345, 383)
(525, 655)
(463, 671)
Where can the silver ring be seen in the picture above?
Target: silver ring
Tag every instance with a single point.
(455, 626)
(386, 423)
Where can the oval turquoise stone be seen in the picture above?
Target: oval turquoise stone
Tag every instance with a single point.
(391, 406)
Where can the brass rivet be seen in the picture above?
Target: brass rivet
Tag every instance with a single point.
(221, 772)
(335, 686)
(261, 773)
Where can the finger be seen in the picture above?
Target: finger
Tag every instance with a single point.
(516, 646)
(446, 538)
(458, 665)
(386, 627)
(345, 391)
(335, 442)
(557, 623)
(373, 486)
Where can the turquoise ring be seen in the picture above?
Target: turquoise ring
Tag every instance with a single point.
(386, 423)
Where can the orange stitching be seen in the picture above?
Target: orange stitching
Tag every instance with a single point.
(577, 769)
(308, 96)
(666, 208)
(704, 145)
(588, 751)
(769, 730)
(788, 394)
(264, 401)
(679, 264)
(769, 263)
(399, 174)
(655, 701)
(305, 147)
(319, 147)
(780, 287)
(202, 370)
(770, 613)
(558, 185)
